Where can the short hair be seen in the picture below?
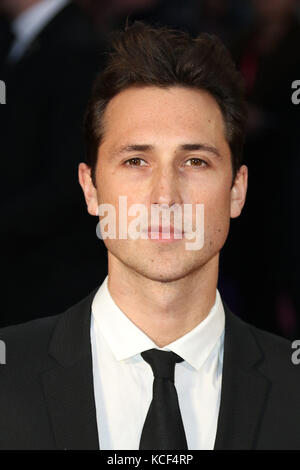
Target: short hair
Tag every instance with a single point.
(145, 55)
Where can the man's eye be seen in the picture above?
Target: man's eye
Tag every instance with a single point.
(197, 162)
(135, 162)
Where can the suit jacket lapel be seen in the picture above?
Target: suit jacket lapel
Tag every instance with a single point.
(69, 390)
(244, 388)
(68, 387)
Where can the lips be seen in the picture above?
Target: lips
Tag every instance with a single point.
(162, 229)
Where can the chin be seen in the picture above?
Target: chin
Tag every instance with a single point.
(160, 275)
(164, 278)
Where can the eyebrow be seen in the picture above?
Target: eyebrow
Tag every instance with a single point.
(183, 147)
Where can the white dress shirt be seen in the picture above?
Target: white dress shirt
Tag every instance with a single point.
(123, 380)
(29, 23)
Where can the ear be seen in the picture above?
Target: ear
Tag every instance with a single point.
(88, 188)
(238, 192)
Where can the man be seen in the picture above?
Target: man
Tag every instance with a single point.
(48, 66)
(154, 359)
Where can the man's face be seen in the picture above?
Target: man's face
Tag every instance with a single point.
(166, 170)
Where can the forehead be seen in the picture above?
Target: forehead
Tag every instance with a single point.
(144, 112)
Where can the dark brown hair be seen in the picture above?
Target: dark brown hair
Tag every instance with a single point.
(145, 55)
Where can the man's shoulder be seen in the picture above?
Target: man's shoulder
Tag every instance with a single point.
(29, 342)
(276, 352)
(268, 339)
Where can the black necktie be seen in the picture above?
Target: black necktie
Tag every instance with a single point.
(163, 428)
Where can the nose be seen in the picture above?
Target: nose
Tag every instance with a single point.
(166, 188)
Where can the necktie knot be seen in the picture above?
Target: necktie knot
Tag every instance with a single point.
(162, 363)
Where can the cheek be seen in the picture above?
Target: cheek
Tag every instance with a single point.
(216, 202)
(109, 189)
(113, 183)
(217, 216)
(219, 206)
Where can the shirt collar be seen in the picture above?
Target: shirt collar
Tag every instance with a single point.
(125, 339)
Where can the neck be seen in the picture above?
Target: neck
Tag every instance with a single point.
(164, 311)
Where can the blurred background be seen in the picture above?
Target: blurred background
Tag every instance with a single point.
(50, 51)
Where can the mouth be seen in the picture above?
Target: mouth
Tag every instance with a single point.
(164, 234)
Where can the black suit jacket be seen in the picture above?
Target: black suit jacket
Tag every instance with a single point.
(47, 396)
